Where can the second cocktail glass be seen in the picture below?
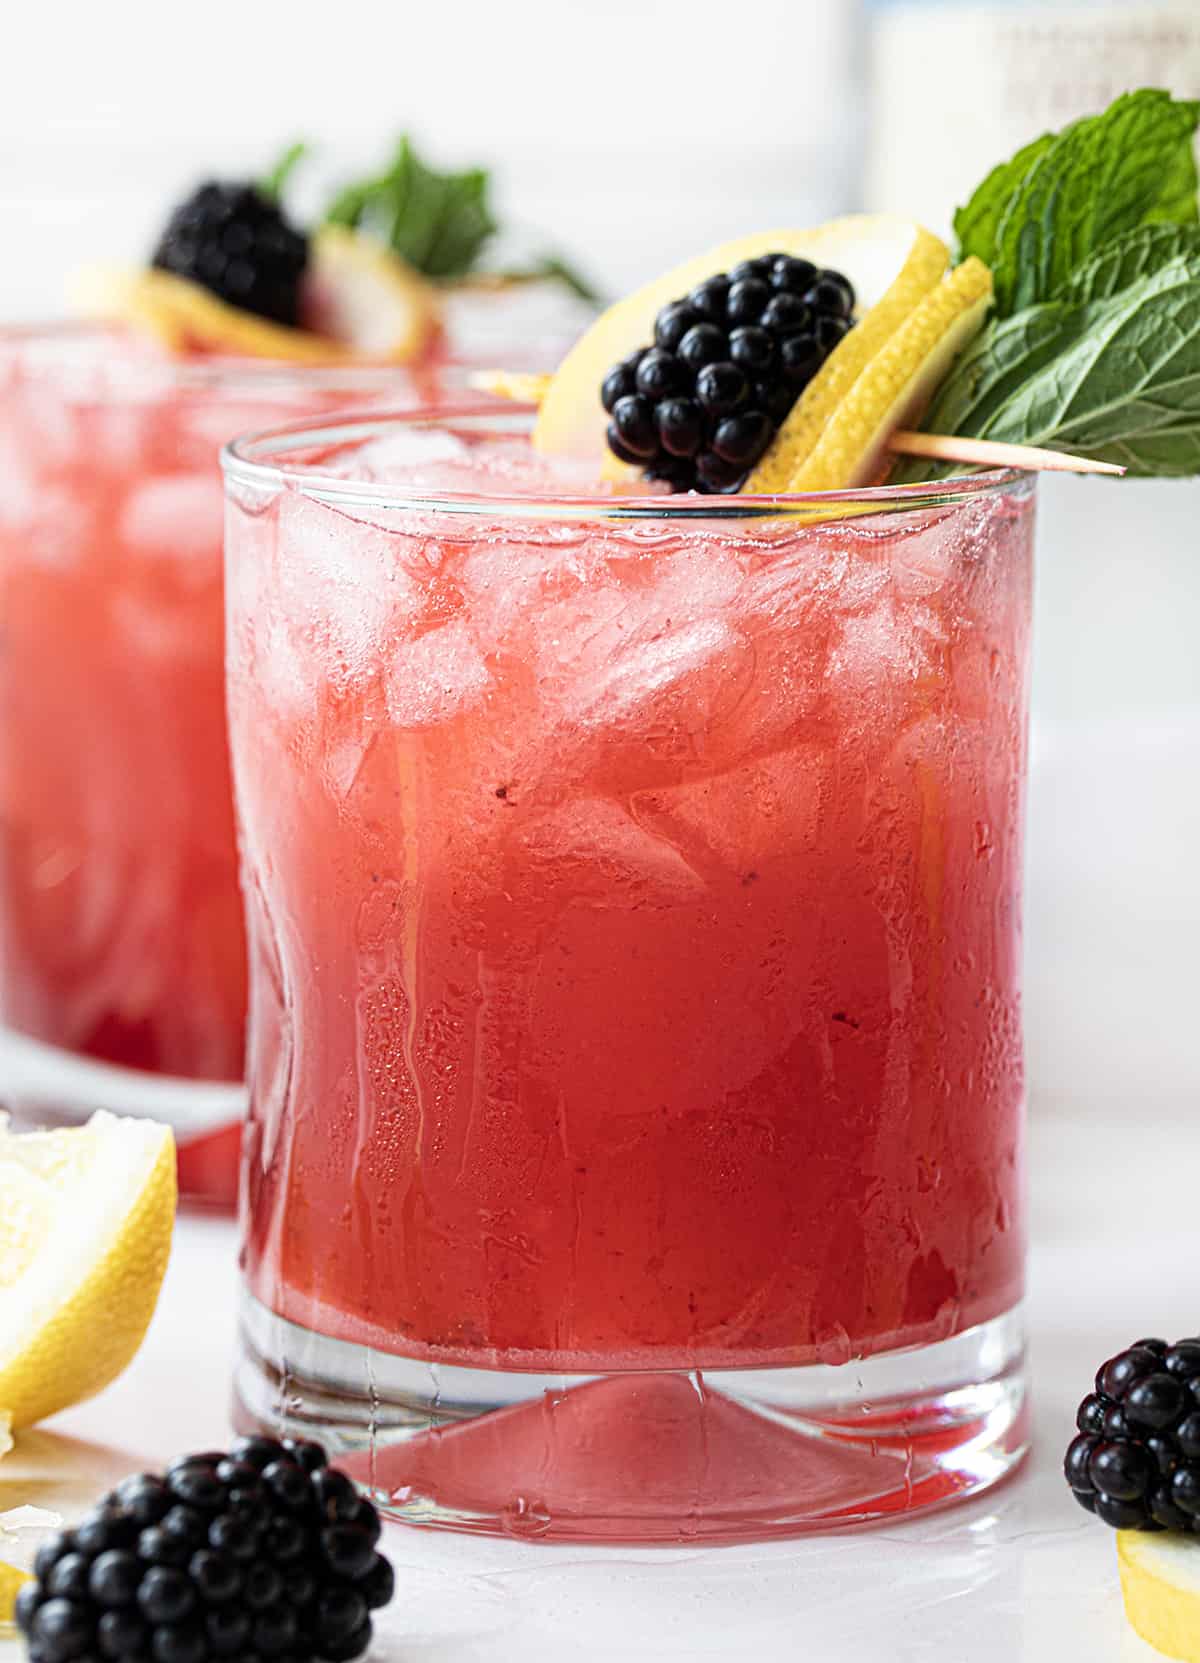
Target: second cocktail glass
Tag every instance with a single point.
(121, 936)
(634, 894)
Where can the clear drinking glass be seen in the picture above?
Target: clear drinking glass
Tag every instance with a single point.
(122, 949)
(635, 1140)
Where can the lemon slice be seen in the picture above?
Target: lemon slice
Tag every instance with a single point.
(183, 315)
(890, 391)
(365, 303)
(12, 1580)
(890, 261)
(361, 293)
(87, 1218)
(1160, 1582)
(523, 386)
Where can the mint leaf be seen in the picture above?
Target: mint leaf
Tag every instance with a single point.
(273, 184)
(1037, 218)
(991, 370)
(1135, 255)
(1116, 377)
(438, 222)
(1177, 190)
(977, 224)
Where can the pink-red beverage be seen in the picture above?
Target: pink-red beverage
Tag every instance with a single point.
(636, 1089)
(121, 935)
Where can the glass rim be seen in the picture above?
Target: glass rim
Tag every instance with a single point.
(221, 372)
(243, 462)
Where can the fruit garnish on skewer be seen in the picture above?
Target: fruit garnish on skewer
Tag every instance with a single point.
(1070, 322)
(231, 272)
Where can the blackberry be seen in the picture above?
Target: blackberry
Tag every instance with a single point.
(700, 407)
(1135, 1462)
(237, 244)
(263, 1552)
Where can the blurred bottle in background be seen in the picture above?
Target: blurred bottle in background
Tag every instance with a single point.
(1113, 890)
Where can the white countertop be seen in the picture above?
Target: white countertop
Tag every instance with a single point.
(1022, 1576)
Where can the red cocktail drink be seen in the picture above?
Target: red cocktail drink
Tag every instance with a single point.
(634, 894)
(121, 935)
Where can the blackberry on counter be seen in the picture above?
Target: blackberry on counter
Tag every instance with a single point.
(235, 242)
(700, 407)
(1136, 1460)
(261, 1553)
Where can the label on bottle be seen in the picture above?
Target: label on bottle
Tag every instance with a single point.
(956, 89)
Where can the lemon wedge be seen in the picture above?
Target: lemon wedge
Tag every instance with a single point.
(363, 301)
(87, 1215)
(364, 295)
(1160, 1582)
(891, 262)
(12, 1580)
(523, 386)
(849, 447)
(184, 316)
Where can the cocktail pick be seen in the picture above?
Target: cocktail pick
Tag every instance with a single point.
(990, 453)
(939, 447)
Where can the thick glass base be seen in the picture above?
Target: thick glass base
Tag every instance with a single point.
(43, 1085)
(714, 1456)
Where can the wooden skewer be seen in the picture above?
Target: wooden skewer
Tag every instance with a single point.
(988, 453)
(939, 447)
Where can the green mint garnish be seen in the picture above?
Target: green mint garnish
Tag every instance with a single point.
(439, 222)
(1093, 347)
(273, 184)
(1035, 220)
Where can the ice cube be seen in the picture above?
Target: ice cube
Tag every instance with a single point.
(923, 558)
(416, 458)
(680, 680)
(737, 821)
(596, 851)
(268, 674)
(435, 676)
(176, 517)
(342, 588)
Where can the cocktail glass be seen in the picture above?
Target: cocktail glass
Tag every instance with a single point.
(635, 1138)
(121, 939)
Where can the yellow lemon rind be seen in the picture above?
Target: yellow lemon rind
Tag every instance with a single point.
(522, 386)
(806, 421)
(93, 1332)
(180, 314)
(12, 1580)
(1160, 1584)
(896, 385)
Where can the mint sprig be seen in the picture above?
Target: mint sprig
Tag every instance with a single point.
(1068, 194)
(1093, 347)
(438, 222)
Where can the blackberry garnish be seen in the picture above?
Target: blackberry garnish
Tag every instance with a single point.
(1136, 1460)
(700, 407)
(260, 1553)
(236, 243)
